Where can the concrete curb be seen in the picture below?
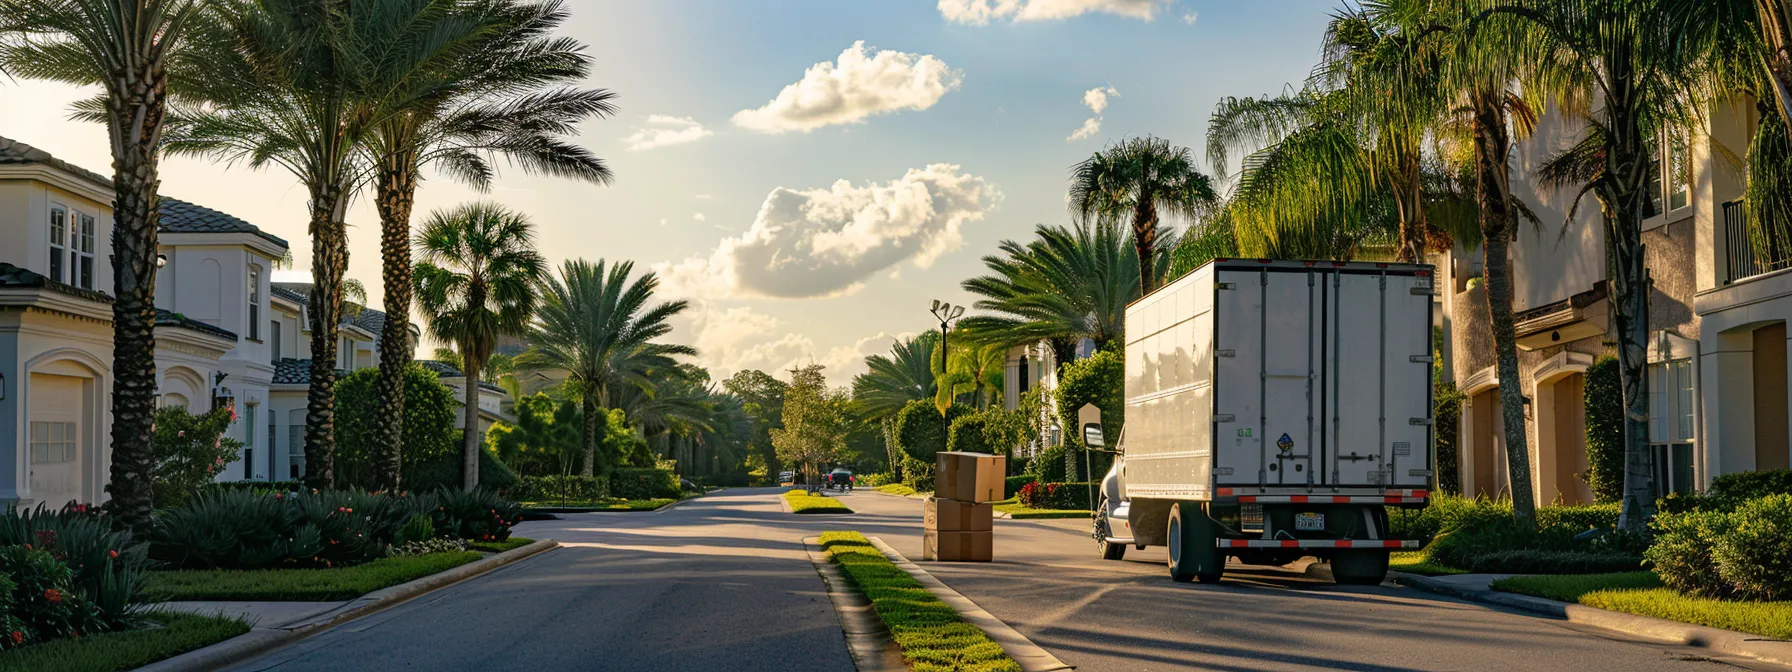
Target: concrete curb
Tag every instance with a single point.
(262, 640)
(867, 638)
(676, 504)
(1030, 656)
(890, 494)
(1671, 632)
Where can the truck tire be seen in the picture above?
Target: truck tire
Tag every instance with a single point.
(1193, 554)
(1360, 567)
(1109, 550)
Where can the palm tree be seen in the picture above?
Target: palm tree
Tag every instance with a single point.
(1133, 181)
(127, 47)
(284, 83)
(495, 92)
(1625, 55)
(598, 327)
(1752, 39)
(476, 283)
(1067, 284)
(891, 381)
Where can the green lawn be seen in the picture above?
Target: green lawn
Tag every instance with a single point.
(602, 505)
(512, 543)
(933, 637)
(1418, 562)
(300, 585)
(179, 633)
(1641, 593)
(1019, 511)
(896, 489)
(803, 502)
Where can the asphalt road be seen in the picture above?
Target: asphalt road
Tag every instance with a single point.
(722, 583)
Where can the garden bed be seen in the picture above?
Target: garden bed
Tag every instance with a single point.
(931, 634)
(1641, 593)
(1019, 511)
(599, 505)
(171, 635)
(1417, 562)
(803, 502)
(299, 585)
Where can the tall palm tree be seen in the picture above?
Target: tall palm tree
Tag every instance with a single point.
(891, 381)
(286, 83)
(1134, 181)
(598, 326)
(476, 283)
(1753, 38)
(1066, 284)
(498, 92)
(1625, 55)
(127, 47)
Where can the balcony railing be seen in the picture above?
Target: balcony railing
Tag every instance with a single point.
(1741, 253)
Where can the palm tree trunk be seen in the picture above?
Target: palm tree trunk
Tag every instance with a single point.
(1410, 204)
(469, 465)
(589, 437)
(1622, 193)
(1144, 241)
(135, 131)
(1779, 59)
(329, 260)
(1493, 191)
(397, 190)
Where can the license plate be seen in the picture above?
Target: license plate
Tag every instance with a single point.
(1309, 521)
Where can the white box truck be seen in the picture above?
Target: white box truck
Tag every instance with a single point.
(1274, 410)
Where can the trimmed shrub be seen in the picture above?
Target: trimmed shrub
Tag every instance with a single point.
(1533, 561)
(1067, 496)
(1049, 466)
(967, 435)
(919, 431)
(1015, 483)
(430, 439)
(561, 489)
(877, 479)
(1755, 556)
(443, 471)
(1099, 379)
(1605, 430)
(644, 483)
(190, 451)
(41, 601)
(917, 474)
(480, 515)
(1682, 551)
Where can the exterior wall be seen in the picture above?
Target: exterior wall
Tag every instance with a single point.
(40, 347)
(25, 206)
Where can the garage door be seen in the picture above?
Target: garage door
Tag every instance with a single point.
(56, 434)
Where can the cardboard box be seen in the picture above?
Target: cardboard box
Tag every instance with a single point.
(970, 477)
(951, 515)
(957, 546)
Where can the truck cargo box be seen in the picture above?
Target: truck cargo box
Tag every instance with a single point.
(1250, 377)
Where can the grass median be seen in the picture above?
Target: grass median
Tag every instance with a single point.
(1641, 593)
(599, 505)
(933, 637)
(173, 634)
(896, 489)
(803, 502)
(300, 585)
(510, 544)
(1419, 562)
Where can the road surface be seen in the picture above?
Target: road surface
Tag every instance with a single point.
(722, 583)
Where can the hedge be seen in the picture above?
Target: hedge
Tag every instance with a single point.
(429, 440)
(1605, 430)
(1062, 496)
(919, 431)
(562, 489)
(1014, 484)
(967, 435)
(1745, 553)
(643, 483)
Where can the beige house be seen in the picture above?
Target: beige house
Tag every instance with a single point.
(1717, 346)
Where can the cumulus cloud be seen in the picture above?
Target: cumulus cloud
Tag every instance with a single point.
(1096, 100)
(664, 131)
(826, 242)
(981, 12)
(1190, 18)
(699, 216)
(862, 83)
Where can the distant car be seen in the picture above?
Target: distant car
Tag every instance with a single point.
(786, 477)
(840, 479)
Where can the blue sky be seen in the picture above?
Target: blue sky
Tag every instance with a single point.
(997, 101)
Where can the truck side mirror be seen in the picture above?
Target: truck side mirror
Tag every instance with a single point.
(1092, 436)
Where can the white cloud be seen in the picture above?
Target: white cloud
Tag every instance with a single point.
(860, 84)
(665, 131)
(826, 242)
(739, 338)
(1096, 100)
(981, 12)
(699, 216)
(1190, 17)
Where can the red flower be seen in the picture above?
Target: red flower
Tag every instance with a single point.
(17, 637)
(53, 595)
(114, 553)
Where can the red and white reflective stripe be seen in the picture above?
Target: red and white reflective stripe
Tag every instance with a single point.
(1327, 499)
(1318, 543)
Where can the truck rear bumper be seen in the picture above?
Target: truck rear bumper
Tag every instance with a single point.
(1318, 543)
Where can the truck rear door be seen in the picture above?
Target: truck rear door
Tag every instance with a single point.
(1267, 343)
(1378, 380)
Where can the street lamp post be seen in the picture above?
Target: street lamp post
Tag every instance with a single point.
(945, 313)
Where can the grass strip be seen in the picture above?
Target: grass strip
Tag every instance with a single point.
(510, 544)
(896, 489)
(933, 637)
(300, 585)
(1641, 593)
(124, 650)
(1419, 562)
(1019, 511)
(803, 502)
(601, 505)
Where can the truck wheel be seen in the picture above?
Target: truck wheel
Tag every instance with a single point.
(1192, 551)
(1359, 567)
(1109, 550)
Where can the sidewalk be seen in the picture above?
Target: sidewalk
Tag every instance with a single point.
(1478, 588)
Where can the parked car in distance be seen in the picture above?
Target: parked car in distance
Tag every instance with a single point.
(840, 479)
(786, 478)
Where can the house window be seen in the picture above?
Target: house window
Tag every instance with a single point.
(274, 336)
(52, 442)
(295, 451)
(1670, 180)
(273, 431)
(1671, 426)
(254, 303)
(83, 253)
(249, 444)
(58, 242)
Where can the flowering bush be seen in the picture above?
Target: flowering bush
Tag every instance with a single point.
(190, 451)
(107, 567)
(39, 601)
(1063, 496)
(480, 515)
(428, 546)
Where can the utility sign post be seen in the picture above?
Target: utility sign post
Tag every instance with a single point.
(1089, 419)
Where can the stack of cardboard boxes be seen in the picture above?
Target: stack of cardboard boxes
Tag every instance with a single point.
(956, 525)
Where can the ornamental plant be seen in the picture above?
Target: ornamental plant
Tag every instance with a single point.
(190, 451)
(41, 601)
